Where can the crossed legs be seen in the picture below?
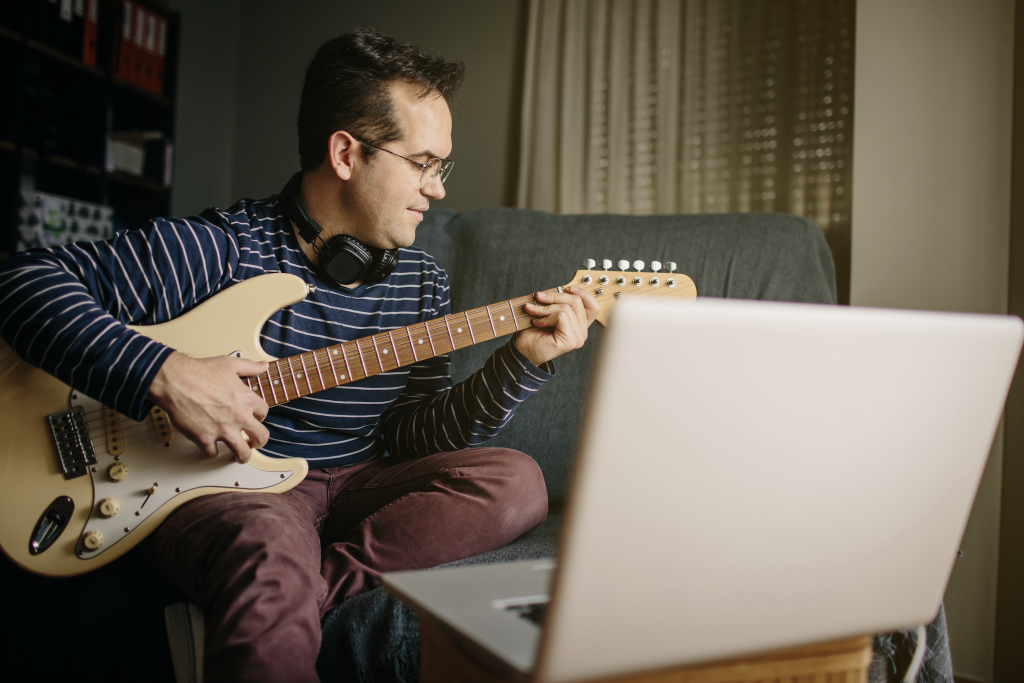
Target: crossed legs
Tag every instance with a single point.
(265, 568)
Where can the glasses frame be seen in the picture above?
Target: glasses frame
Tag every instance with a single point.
(444, 169)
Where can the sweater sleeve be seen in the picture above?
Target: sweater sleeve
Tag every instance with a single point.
(432, 416)
(65, 309)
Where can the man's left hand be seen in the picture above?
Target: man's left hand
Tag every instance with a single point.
(559, 326)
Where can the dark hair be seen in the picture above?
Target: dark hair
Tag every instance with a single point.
(346, 88)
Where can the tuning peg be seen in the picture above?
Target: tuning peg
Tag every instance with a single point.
(589, 263)
(671, 266)
(606, 264)
(639, 265)
(623, 265)
(655, 266)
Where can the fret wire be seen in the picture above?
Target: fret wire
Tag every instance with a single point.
(362, 361)
(376, 352)
(295, 380)
(430, 338)
(408, 331)
(513, 314)
(345, 356)
(330, 359)
(270, 381)
(449, 328)
(284, 382)
(319, 374)
(302, 359)
(470, 326)
(393, 348)
(259, 385)
(490, 319)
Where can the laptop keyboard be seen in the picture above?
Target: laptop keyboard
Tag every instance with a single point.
(534, 612)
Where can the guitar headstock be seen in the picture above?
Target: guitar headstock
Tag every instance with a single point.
(612, 286)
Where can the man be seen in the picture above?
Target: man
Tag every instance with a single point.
(374, 134)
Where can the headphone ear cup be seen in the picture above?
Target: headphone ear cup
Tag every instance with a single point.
(384, 262)
(344, 260)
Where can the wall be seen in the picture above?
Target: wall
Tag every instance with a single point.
(277, 45)
(1009, 665)
(205, 107)
(931, 202)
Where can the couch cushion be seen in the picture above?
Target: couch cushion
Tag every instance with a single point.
(496, 254)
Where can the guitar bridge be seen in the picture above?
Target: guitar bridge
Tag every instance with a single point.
(74, 444)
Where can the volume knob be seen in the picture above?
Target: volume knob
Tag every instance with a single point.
(118, 471)
(109, 507)
(93, 540)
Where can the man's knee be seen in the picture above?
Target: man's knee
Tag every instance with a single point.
(515, 484)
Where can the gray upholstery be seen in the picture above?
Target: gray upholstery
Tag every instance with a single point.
(496, 254)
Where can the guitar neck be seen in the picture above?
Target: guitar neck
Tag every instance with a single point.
(307, 373)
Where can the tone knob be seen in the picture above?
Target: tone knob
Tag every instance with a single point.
(606, 264)
(655, 266)
(623, 265)
(639, 265)
(118, 471)
(109, 507)
(93, 540)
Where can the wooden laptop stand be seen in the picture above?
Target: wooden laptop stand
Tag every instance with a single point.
(444, 659)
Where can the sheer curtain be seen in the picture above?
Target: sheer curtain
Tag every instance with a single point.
(693, 106)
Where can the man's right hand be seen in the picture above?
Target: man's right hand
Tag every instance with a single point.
(208, 403)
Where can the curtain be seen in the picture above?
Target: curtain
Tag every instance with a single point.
(691, 106)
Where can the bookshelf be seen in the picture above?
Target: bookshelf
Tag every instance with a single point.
(60, 112)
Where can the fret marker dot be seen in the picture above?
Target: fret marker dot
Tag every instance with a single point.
(420, 341)
(299, 375)
(255, 388)
(343, 376)
(277, 381)
(335, 352)
(385, 351)
(458, 329)
(501, 318)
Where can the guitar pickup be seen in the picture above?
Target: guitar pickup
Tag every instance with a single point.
(74, 443)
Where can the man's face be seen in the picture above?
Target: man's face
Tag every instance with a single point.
(386, 203)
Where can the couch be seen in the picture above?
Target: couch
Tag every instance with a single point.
(50, 629)
(494, 254)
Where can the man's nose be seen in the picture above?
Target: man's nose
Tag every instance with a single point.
(434, 188)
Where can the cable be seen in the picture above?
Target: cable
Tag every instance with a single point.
(918, 658)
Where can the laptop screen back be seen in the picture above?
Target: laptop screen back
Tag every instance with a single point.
(754, 475)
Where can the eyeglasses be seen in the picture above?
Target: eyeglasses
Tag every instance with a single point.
(428, 171)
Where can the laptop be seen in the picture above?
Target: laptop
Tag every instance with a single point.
(749, 476)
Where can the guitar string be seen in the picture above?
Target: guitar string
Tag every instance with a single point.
(361, 349)
(473, 318)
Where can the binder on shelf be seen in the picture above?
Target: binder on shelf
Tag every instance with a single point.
(161, 55)
(90, 32)
(138, 48)
(149, 51)
(125, 51)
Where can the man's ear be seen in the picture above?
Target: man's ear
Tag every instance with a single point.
(342, 154)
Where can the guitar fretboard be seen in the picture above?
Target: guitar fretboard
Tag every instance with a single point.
(307, 373)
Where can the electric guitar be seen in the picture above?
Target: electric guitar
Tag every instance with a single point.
(81, 484)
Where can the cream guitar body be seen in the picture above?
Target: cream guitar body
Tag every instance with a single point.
(82, 485)
(142, 470)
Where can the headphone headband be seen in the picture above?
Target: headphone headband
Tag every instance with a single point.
(342, 259)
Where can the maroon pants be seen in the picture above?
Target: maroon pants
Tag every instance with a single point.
(265, 568)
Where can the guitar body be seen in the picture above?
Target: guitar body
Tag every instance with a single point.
(164, 469)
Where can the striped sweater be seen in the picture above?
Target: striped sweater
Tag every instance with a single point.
(65, 309)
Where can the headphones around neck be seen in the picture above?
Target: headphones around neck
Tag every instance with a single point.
(342, 259)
